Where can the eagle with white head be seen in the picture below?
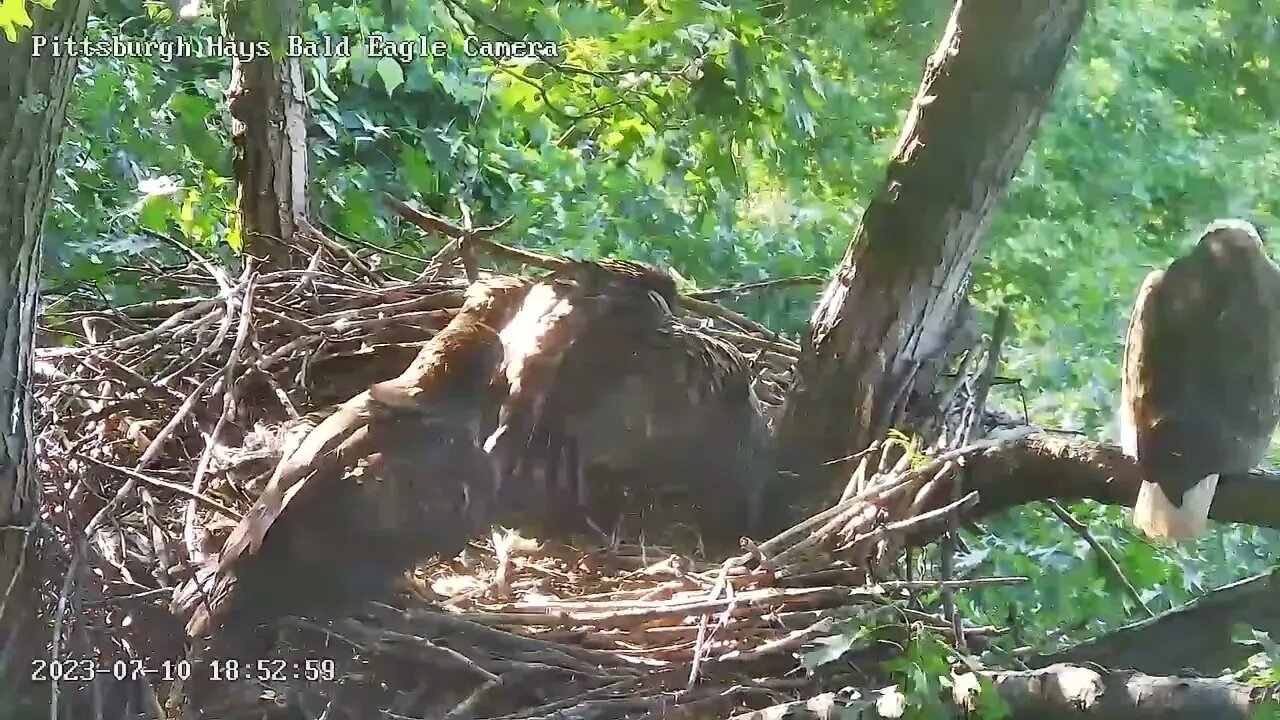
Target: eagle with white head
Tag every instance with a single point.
(1200, 376)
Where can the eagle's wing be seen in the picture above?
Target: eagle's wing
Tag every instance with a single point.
(703, 437)
(1204, 373)
(395, 475)
(581, 326)
(402, 489)
(611, 396)
(575, 327)
(679, 383)
(1132, 364)
(326, 442)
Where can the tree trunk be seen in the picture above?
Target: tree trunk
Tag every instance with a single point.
(33, 100)
(269, 132)
(896, 298)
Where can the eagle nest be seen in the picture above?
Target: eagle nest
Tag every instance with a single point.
(160, 422)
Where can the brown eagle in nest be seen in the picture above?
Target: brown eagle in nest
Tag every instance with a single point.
(548, 405)
(1200, 377)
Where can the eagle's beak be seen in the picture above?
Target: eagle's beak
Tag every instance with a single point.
(660, 301)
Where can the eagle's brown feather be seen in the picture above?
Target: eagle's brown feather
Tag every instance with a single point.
(391, 466)
(1200, 376)
(540, 404)
(629, 404)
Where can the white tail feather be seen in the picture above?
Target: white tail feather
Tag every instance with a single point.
(1128, 432)
(1154, 515)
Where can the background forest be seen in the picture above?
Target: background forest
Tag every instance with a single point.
(737, 142)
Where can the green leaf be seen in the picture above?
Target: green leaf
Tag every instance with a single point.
(320, 71)
(235, 238)
(187, 221)
(828, 650)
(391, 73)
(155, 211)
(13, 15)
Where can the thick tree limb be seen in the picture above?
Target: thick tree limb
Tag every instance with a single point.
(267, 102)
(34, 92)
(1060, 691)
(1069, 691)
(1197, 638)
(1043, 466)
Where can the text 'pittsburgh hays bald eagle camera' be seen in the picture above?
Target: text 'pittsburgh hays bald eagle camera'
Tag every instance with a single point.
(1200, 377)
(544, 404)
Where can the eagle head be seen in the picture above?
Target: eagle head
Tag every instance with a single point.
(1231, 241)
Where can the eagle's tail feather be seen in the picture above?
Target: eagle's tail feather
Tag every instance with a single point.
(1159, 518)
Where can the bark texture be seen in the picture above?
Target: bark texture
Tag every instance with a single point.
(269, 133)
(34, 89)
(1069, 467)
(896, 297)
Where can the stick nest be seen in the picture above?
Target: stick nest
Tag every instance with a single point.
(160, 422)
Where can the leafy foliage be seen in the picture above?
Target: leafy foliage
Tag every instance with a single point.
(735, 141)
(15, 16)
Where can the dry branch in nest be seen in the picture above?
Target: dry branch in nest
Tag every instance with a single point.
(165, 418)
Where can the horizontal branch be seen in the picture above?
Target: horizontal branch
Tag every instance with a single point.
(1196, 638)
(1060, 692)
(1044, 465)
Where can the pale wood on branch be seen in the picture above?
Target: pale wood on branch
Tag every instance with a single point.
(1057, 692)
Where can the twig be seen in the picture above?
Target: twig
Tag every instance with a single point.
(924, 518)
(135, 475)
(786, 643)
(973, 424)
(27, 531)
(1112, 566)
(722, 585)
(229, 385)
(342, 251)
(436, 224)
(719, 293)
(59, 621)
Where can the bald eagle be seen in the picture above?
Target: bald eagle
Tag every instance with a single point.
(1201, 373)
(395, 474)
(543, 405)
(611, 401)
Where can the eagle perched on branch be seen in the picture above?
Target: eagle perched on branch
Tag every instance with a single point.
(1201, 375)
(542, 404)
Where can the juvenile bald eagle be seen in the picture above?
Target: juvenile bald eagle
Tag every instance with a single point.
(1200, 376)
(612, 401)
(541, 405)
(394, 475)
